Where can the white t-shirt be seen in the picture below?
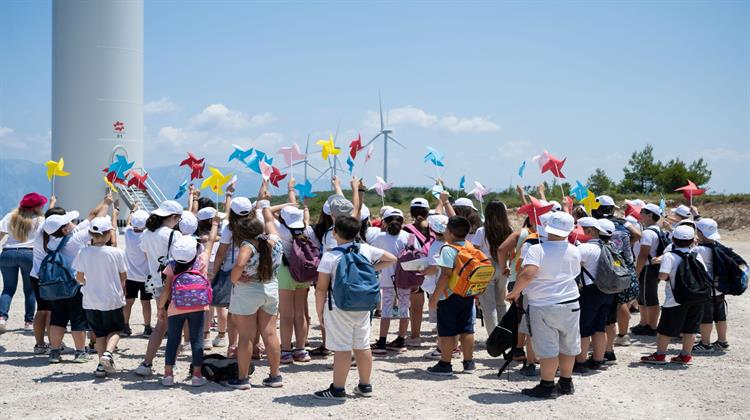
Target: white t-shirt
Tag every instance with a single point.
(433, 256)
(135, 258)
(393, 244)
(370, 233)
(669, 264)
(328, 242)
(286, 238)
(70, 251)
(330, 259)
(13, 242)
(155, 244)
(590, 252)
(101, 266)
(480, 241)
(232, 251)
(559, 264)
(650, 238)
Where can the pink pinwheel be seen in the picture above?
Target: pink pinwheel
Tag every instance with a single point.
(691, 190)
(370, 152)
(479, 191)
(291, 154)
(265, 170)
(381, 186)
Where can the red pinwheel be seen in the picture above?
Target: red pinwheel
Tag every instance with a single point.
(578, 235)
(137, 180)
(112, 177)
(534, 210)
(633, 209)
(691, 190)
(276, 176)
(191, 160)
(355, 146)
(197, 170)
(554, 165)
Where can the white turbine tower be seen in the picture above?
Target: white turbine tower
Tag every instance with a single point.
(386, 133)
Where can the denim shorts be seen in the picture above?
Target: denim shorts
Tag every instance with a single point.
(247, 298)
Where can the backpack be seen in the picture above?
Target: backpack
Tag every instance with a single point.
(404, 279)
(191, 290)
(56, 278)
(692, 286)
(472, 271)
(356, 287)
(423, 242)
(664, 241)
(504, 337)
(218, 368)
(303, 264)
(730, 270)
(151, 284)
(612, 274)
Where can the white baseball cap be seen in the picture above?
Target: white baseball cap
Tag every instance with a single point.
(605, 200)
(241, 206)
(438, 223)
(384, 209)
(327, 208)
(543, 220)
(293, 217)
(709, 228)
(591, 222)
(420, 202)
(682, 211)
(188, 223)
(53, 223)
(364, 213)
(391, 212)
(184, 249)
(138, 219)
(100, 225)
(206, 213)
(607, 226)
(464, 202)
(168, 208)
(559, 224)
(555, 205)
(684, 233)
(653, 208)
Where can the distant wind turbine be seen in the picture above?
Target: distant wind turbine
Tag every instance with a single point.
(305, 161)
(386, 133)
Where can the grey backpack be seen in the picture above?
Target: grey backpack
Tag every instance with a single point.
(612, 273)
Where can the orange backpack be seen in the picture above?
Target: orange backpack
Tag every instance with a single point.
(472, 271)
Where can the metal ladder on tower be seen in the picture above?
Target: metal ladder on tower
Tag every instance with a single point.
(149, 199)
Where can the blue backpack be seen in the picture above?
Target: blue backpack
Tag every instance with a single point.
(356, 287)
(56, 278)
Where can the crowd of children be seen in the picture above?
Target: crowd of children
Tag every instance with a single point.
(575, 277)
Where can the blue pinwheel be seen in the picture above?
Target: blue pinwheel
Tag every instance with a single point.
(580, 191)
(521, 169)
(182, 189)
(304, 190)
(254, 163)
(120, 166)
(434, 156)
(350, 164)
(240, 154)
(462, 183)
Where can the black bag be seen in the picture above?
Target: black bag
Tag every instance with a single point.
(664, 241)
(505, 336)
(218, 368)
(692, 286)
(730, 270)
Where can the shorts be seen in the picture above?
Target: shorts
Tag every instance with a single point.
(555, 329)
(346, 331)
(287, 282)
(41, 304)
(648, 282)
(715, 310)
(595, 307)
(455, 315)
(400, 298)
(69, 310)
(680, 319)
(104, 323)
(134, 288)
(612, 312)
(248, 298)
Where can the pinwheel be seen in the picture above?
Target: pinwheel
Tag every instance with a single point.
(240, 154)
(216, 181)
(120, 166)
(137, 180)
(534, 209)
(691, 190)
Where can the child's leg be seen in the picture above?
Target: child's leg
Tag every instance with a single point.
(364, 365)
(154, 341)
(467, 346)
(174, 332)
(385, 325)
(41, 324)
(267, 323)
(79, 339)
(548, 367)
(565, 363)
(611, 334)
(342, 361)
(301, 327)
(721, 331)
(415, 313)
(706, 330)
(446, 346)
(101, 346)
(246, 325)
(585, 342)
(403, 327)
(662, 343)
(146, 307)
(623, 318)
(128, 308)
(195, 324)
(530, 355)
(111, 342)
(286, 314)
(687, 343)
(599, 344)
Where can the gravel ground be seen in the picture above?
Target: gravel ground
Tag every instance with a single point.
(712, 387)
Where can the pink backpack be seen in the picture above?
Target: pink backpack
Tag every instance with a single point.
(191, 290)
(409, 279)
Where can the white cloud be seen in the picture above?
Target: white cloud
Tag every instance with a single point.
(722, 154)
(218, 116)
(4, 131)
(411, 115)
(160, 106)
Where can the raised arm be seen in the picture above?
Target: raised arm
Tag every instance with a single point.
(291, 193)
(115, 214)
(337, 185)
(521, 193)
(102, 208)
(541, 192)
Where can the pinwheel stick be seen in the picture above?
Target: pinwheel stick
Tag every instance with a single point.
(53, 184)
(562, 191)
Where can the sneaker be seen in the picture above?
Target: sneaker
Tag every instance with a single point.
(622, 341)
(239, 383)
(273, 381)
(126, 332)
(721, 346)
(287, 358)
(3, 325)
(469, 367)
(207, 344)
(441, 369)
(640, 329)
(168, 380)
(100, 372)
(580, 367)
(28, 326)
(397, 345)
(701, 348)
(147, 330)
(144, 370)
(363, 390)
(432, 355)
(655, 359)
(198, 381)
(541, 391)
(220, 340)
(379, 347)
(54, 356)
(320, 351)
(301, 356)
(415, 342)
(41, 349)
(610, 358)
(517, 354)
(682, 359)
(528, 370)
(81, 357)
(108, 362)
(592, 364)
(565, 387)
(331, 393)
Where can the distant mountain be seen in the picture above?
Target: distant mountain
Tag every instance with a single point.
(18, 177)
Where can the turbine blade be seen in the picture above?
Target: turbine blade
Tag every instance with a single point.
(321, 175)
(380, 100)
(396, 141)
(307, 146)
(373, 139)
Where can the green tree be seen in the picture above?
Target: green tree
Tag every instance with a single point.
(698, 172)
(673, 175)
(600, 183)
(641, 172)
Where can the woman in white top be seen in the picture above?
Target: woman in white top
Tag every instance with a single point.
(20, 226)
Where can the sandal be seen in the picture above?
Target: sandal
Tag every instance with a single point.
(320, 352)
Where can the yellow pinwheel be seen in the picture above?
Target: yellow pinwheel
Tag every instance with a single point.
(329, 149)
(110, 185)
(590, 202)
(55, 169)
(216, 180)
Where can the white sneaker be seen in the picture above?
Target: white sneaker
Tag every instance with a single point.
(413, 342)
(168, 380)
(207, 344)
(108, 362)
(623, 341)
(3, 325)
(433, 355)
(220, 340)
(143, 370)
(198, 381)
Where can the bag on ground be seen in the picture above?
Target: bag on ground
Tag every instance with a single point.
(218, 368)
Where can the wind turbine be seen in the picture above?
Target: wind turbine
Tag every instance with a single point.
(305, 161)
(386, 133)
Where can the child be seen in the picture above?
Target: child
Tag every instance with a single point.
(347, 331)
(102, 271)
(455, 314)
(647, 270)
(676, 319)
(185, 257)
(419, 211)
(715, 310)
(137, 265)
(438, 224)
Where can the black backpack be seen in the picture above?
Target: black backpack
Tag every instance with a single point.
(730, 270)
(218, 368)
(692, 285)
(505, 335)
(664, 241)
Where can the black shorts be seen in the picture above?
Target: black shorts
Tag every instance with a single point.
(680, 319)
(134, 288)
(41, 304)
(69, 310)
(612, 312)
(648, 282)
(455, 316)
(104, 323)
(715, 310)
(595, 306)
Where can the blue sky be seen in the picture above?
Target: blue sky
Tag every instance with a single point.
(490, 84)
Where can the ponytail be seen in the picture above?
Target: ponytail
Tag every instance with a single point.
(265, 262)
(154, 222)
